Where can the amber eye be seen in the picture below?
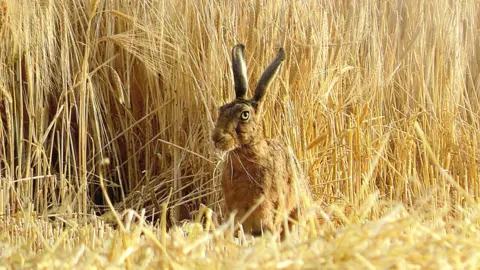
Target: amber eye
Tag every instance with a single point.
(245, 115)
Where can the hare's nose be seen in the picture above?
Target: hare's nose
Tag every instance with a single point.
(218, 139)
(216, 136)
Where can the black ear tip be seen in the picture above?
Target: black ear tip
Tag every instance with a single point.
(239, 46)
(281, 54)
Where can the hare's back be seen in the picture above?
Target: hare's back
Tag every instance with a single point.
(288, 175)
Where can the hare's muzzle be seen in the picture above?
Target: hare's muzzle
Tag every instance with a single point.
(222, 141)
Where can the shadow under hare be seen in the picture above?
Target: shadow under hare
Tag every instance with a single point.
(256, 167)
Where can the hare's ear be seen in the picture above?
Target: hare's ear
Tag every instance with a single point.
(239, 68)
(268, 75)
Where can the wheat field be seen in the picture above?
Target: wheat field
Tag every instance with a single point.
(107, 109)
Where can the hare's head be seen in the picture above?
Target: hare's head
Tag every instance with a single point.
(239, 121)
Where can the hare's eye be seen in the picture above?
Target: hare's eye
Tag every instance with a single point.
(245, 115)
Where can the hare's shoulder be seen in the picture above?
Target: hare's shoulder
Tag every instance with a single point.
(278, 155)
(277, 148)
(275, 144)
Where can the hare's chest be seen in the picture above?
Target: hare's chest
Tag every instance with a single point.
(243, 183)
(244, 178)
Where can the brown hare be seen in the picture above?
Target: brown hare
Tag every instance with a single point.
(255, 167)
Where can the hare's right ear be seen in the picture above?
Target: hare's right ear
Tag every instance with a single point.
(239, 68)
(268, 75)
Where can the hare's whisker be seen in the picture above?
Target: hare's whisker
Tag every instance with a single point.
(250, 177)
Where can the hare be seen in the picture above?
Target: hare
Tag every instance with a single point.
(255, 167)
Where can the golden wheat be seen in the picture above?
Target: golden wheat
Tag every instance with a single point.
(378, 100)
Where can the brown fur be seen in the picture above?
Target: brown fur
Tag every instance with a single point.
(255, 166)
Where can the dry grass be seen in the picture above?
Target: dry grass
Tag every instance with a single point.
(378, 99)
(396, 239)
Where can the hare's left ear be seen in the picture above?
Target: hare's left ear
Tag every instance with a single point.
(267, 76)
(239, 69)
